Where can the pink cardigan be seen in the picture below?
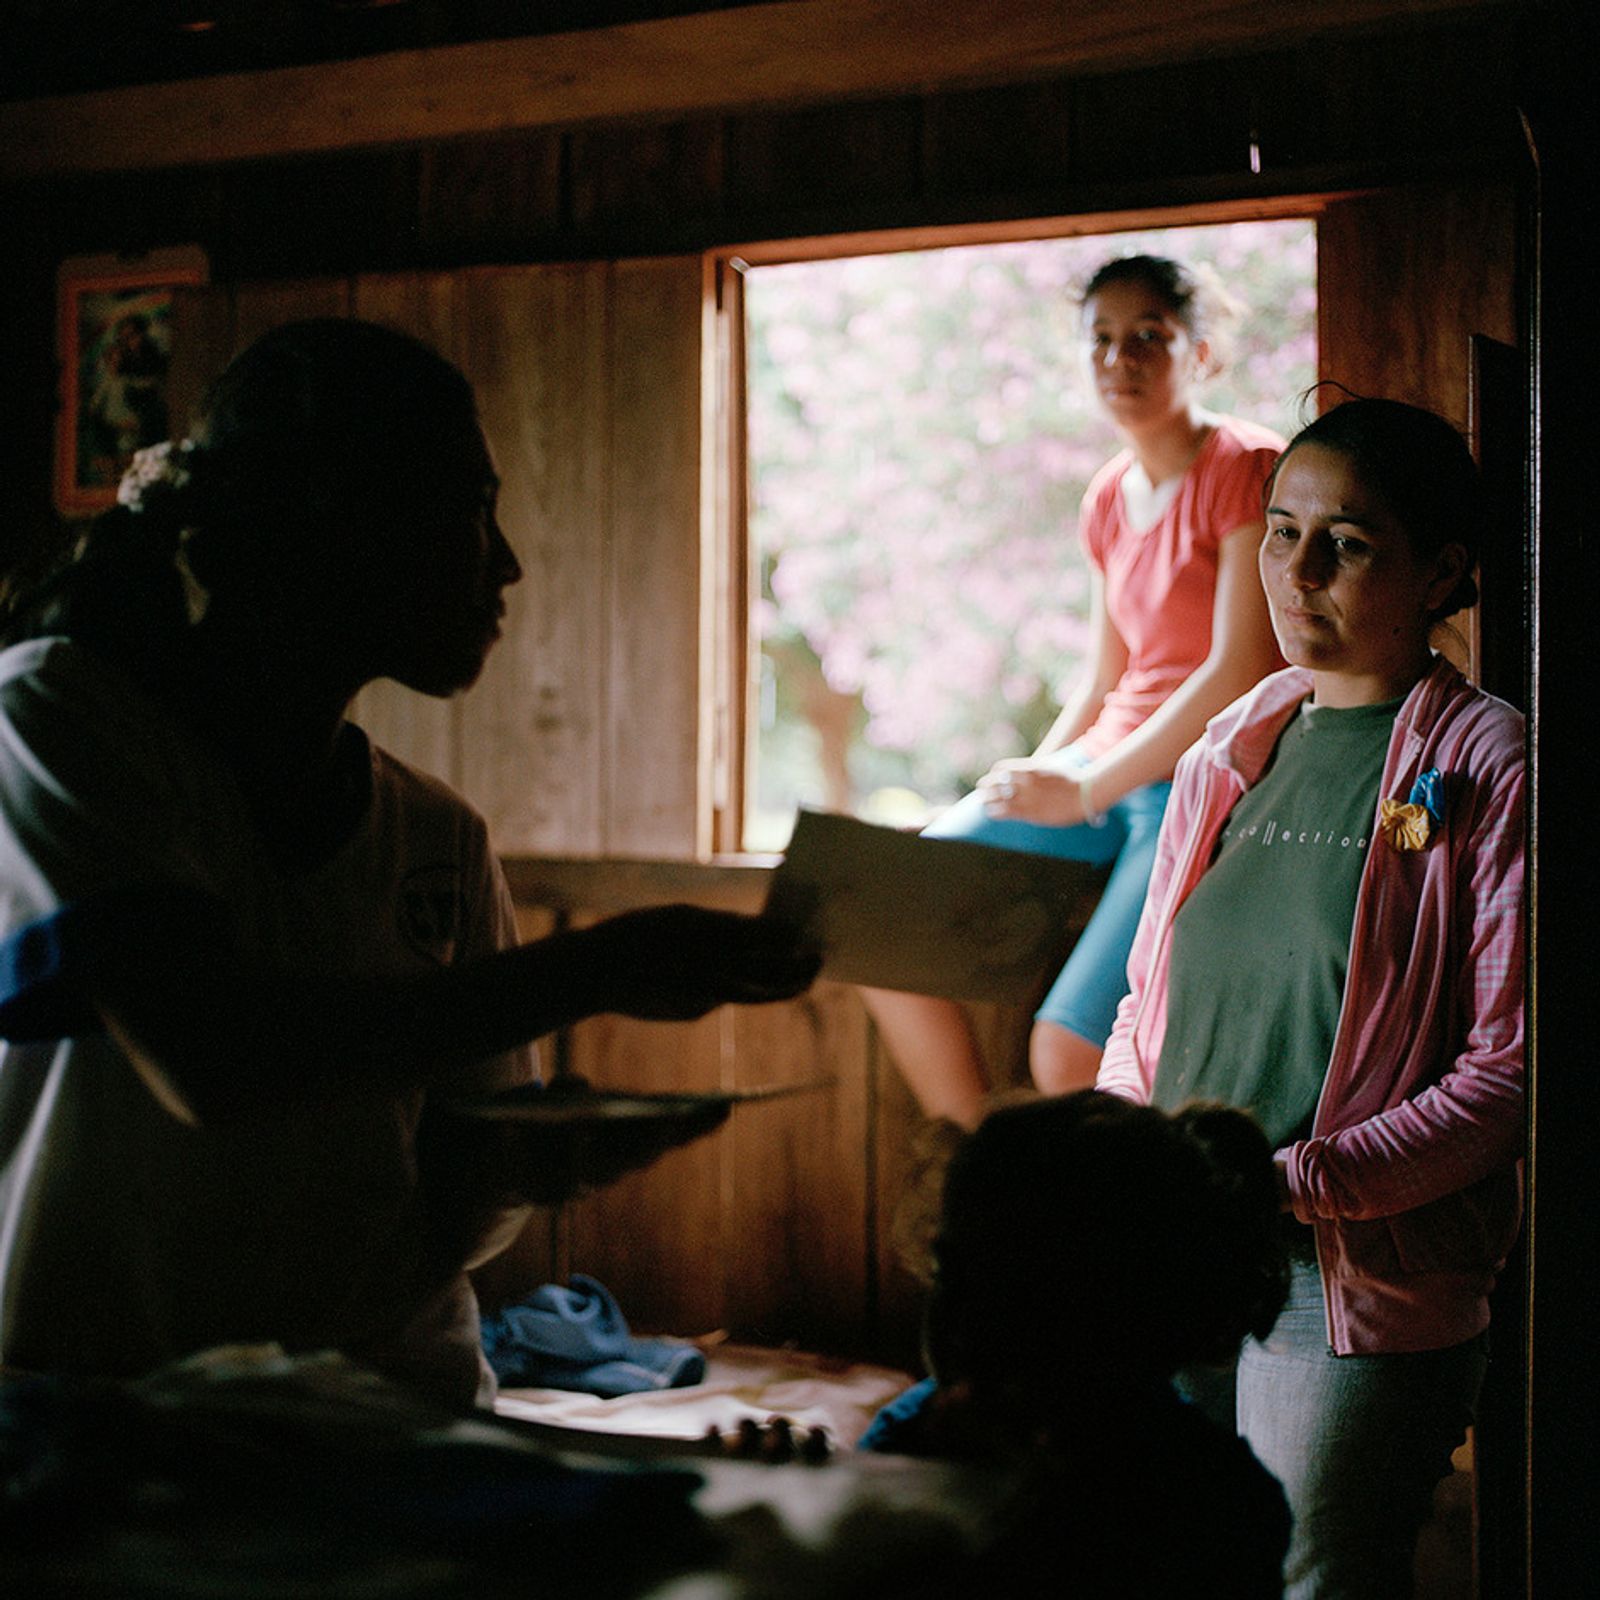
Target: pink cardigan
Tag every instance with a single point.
(1410, 1177)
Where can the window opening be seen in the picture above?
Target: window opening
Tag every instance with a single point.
(920, 432)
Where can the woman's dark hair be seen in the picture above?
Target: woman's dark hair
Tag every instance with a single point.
(312, 440)
(1421, 469)
(1085, 1233)
(1193, 295)
(326, 421)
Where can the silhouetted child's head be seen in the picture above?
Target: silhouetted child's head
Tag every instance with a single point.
(1091, 1241)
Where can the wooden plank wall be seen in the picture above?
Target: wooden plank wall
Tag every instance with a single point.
(561, 268)
(1412, 100)
(1409, 280)
(580, 737)
(581, 734)
(783, 1226)
(1406, 277)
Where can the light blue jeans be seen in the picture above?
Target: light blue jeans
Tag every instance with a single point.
(1358, 1443)
(1084, 998)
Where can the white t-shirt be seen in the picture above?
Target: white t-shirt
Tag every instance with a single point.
(128, 1238)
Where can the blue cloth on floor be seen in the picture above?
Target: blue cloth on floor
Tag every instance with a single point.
(576, 1338)
(898, 1418)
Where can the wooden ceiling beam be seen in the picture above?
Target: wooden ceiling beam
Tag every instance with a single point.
(790, 53)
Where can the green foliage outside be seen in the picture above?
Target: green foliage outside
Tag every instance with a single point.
(921, 433)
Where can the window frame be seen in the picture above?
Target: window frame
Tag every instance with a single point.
(730, 653)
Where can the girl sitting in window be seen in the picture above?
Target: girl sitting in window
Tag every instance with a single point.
(1179, 629)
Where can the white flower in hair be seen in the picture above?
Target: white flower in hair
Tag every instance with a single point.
(157, 467)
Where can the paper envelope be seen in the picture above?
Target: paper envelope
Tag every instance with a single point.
(934, 916)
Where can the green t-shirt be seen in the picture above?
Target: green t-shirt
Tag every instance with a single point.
(1261, 945)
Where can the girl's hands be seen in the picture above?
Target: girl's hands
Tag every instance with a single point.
(1031, 791)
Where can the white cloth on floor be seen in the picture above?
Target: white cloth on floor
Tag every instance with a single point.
(742, 1381)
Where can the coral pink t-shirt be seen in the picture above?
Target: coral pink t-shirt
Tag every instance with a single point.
(1160, 585)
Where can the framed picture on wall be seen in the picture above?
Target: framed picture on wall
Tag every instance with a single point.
(115, 327)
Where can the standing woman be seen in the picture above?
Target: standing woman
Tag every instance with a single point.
(249, 957)
(1333, 940)
(1178, 629)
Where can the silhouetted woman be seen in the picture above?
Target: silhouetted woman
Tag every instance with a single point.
(250, 952)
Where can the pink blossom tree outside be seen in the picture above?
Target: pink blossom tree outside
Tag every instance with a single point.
(921, 433)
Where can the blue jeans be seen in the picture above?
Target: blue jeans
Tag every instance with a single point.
(1085, 996)
(1358, 1443)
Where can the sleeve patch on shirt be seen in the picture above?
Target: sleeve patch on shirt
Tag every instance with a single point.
(432, 912)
